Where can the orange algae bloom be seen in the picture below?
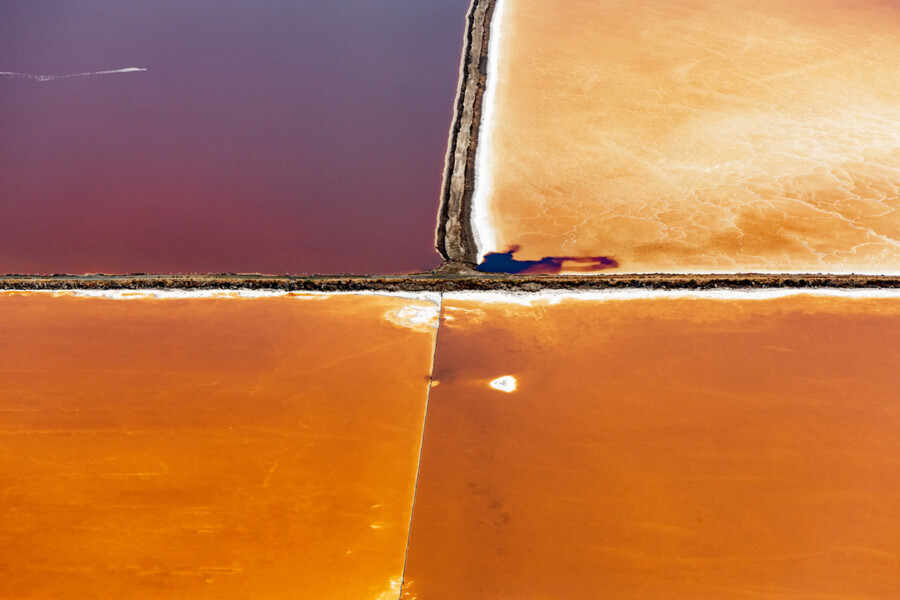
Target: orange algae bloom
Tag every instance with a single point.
(209, 447)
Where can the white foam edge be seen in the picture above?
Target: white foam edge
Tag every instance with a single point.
(160, 294)
(557, 296)
(483, 233)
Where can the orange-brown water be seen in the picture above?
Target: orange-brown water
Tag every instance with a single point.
(671, 448)
(695, 135)
(208, 448)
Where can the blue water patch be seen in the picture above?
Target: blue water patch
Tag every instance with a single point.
(503, 262)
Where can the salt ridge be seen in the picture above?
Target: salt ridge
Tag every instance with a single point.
(485, 239)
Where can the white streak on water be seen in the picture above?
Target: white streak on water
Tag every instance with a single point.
(54, 77)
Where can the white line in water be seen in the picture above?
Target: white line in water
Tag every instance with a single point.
(557, 296)
(167, 294)
(52, 77)
(485, 240)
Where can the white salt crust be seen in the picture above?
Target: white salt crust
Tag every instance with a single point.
(433, 297)
(485, 240)
(556, 296)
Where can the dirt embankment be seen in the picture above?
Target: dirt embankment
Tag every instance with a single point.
(454, 238)
(437, 282)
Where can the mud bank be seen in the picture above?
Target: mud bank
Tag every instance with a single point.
(454, 238)
(437, 282)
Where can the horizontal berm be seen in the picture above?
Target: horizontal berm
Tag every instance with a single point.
(441, 282)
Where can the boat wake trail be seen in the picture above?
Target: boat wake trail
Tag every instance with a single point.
(53, 77)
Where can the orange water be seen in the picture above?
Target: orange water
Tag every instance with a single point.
(207, 448)
(697, 135)
(662, 448)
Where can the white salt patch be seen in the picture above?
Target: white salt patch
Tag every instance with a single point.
(393, 590)
(485, 238)
(424, 317)
(507, 384)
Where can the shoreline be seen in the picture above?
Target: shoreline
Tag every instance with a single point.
(454, 237)
(442, 282)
